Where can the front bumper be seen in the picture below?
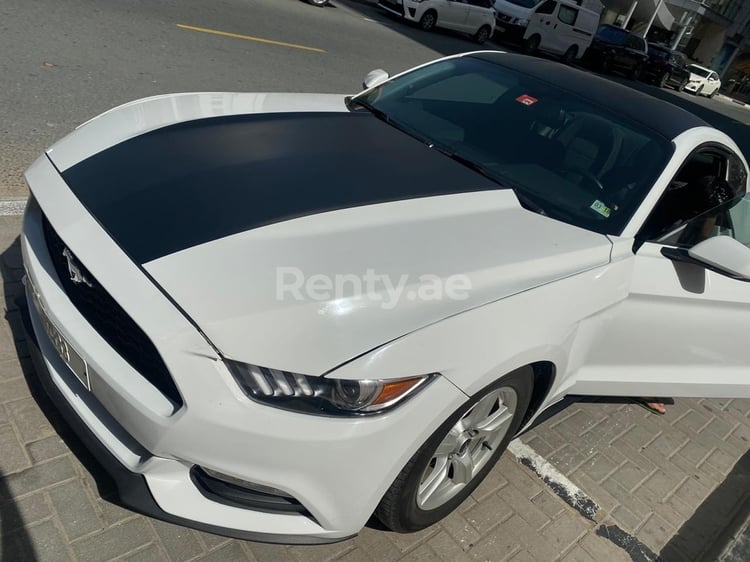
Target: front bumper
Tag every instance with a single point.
(693, 87)
(338, 469)
(407, 9)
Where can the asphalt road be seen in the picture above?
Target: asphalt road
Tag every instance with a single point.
(64, 62)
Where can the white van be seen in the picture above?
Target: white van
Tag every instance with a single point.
(563, 27)
(512, 17)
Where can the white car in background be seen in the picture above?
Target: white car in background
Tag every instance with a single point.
(474, 17)
(195, 266)
(703, 81)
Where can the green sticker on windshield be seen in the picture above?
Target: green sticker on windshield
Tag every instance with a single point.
(601, 208)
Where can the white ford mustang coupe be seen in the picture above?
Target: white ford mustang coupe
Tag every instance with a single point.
(273, 315)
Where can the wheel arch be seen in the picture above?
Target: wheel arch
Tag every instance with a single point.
(544, 379)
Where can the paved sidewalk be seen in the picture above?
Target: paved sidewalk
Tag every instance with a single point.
(652, 481)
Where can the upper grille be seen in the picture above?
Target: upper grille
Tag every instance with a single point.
(110, 320)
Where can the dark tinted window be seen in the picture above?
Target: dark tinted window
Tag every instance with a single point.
(524, 3)
(547, 8)
(567, 15)
(578, 161)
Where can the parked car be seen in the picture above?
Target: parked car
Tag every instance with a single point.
(666, 67)
(474, 17)
(703, 81)
(617, 50)
(562, 27)
(512, 17)
(273, 315)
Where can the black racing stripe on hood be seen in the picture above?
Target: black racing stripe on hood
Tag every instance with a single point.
(194, 182)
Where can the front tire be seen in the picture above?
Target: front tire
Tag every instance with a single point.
(570, 55)
(428, 20)
(483, 34)
(457, 456)
(531, 45)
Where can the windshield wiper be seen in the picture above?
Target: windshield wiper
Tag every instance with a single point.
(382, 115)
(528, 203)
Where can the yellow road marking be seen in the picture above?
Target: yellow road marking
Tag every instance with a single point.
(249, 38)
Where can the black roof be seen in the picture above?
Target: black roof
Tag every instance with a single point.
(660, 116)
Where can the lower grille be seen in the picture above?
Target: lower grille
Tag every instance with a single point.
(108, 318)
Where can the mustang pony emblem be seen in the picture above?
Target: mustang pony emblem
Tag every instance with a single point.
(74, 270)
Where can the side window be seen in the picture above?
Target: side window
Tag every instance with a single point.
(567, 15)
(547, 8)
(706, 198)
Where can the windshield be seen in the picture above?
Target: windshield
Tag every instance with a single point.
(699, 71)
(524, 3)
(658, 52)
(563, 156)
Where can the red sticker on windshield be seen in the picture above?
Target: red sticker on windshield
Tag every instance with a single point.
(526, 100)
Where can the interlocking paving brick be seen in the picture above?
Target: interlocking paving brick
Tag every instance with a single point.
(626, 519)
(578, 555)
(692, 491)
(529, 538)
(448, 549)
(601, 549)
(321, 553)
(13, 457)
(115, 541)
(180, 542)
(524, 507)
(629, 476)
(75, 510)
(37, 477)
(655, 533)
(566, 530)
(231, 552)
(268, 552)
(692, 420)
(719, 428)
(663, 484)
(521, 477)
(703, 473)
(149, 554)
(568, 459)
(13, 389)
(29, 420)
(112, 513)
(694, 452)
(39, 542)
(407, 542)
(626, 498)
(722, 461)
(549, 504)
(606, 501)
(523, 556)
(598, 467)
(460, 530)
(539, 445)
(373, 541)
(495, 546)
(357, 555)
(24, 512)
(488, 514)
(47, 448)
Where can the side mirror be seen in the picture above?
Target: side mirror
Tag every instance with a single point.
(722, 254)
(374, 78)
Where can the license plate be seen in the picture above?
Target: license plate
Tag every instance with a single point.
(70, 356)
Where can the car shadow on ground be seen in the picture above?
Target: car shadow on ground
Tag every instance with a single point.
(11, 268)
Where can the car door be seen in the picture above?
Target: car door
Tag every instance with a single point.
(633, 53)
(477, 15)
(567, 17)
(681, 329)
(453, 14)
(545, 18)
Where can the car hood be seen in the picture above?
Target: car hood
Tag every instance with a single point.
(295, 295)
(297, 235)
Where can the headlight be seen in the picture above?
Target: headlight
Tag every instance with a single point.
(523, 22)
(323, 396)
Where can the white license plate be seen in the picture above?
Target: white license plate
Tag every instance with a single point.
(70, 356)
